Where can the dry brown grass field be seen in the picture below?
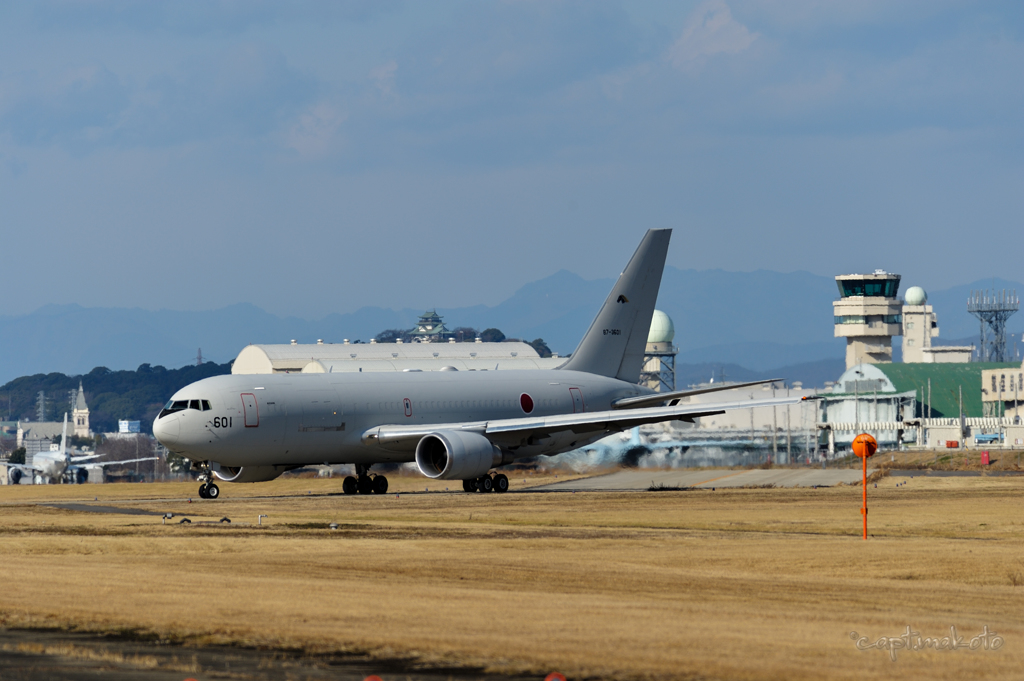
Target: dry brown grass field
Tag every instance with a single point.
(955, 459)
(730, 584)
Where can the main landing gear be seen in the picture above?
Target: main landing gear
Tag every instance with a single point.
(364, 483)
(499, 483)
(208, 489)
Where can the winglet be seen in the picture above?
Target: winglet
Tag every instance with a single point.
(614, 345)
(64, 438)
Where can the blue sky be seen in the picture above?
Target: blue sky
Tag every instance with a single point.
(315, 157)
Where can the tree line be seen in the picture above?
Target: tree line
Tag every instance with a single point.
(111, 395)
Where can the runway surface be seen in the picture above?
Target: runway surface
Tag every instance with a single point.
(637, 480)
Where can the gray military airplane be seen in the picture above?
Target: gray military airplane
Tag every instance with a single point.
(58, 465)
(456, 425)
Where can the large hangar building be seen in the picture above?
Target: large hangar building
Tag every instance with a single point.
(355, 357)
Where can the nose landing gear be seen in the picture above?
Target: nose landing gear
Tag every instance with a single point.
(365, 484)
(208, 489)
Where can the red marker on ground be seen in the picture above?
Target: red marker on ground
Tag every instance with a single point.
(864, 446)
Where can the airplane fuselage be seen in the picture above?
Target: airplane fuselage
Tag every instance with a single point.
(295, 419)
(51, 465)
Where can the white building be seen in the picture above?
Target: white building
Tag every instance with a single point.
(1002, 391)
(920, 326)
(337, 357)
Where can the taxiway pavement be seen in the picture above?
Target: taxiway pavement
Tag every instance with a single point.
(637, 480)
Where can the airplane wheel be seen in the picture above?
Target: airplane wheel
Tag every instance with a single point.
(485, 484)
(365, 485)
(380, 485)
(500, 482)
(349, 486)
(202, 491)
(212, 491)
(469, 485)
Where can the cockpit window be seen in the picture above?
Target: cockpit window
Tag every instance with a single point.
(173, 406)
(181, 405)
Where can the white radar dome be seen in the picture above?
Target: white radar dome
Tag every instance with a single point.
(916, 296)
(662, 329)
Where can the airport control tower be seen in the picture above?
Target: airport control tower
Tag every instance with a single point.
(868, 315)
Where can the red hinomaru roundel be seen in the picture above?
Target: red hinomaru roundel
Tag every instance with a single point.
(526, 402)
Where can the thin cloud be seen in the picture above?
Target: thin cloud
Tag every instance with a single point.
(710, 31)
(383, 77)
(315, 133)
(70, 106)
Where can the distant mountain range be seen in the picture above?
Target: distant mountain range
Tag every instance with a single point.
(754, 322)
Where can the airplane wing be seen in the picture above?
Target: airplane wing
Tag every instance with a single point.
(83, 457)
(23, 467)
(101, 464)
(511, 432)
(674, 397)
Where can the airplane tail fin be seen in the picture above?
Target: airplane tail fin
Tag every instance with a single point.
(614, 345)
(64, 438)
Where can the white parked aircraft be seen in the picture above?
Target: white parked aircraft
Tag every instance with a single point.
(456, 425)
(58, 465)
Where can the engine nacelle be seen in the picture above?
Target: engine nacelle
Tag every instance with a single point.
(455, 455)
(14, 476)
(249, 473)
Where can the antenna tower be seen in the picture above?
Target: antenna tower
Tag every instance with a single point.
(993, 309)
(199, 358)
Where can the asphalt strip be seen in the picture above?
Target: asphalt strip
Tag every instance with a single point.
(43, 655)
(92, 508)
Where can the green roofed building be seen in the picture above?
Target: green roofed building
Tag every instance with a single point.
(882, 398)
(431, 329)
(947, 381)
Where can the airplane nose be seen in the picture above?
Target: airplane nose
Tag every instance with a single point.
(166, 430)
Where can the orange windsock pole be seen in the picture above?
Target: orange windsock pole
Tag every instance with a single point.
(864, 446)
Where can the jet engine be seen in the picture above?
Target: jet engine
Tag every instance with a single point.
(250, 473)
(455, 455)
(14, 476)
